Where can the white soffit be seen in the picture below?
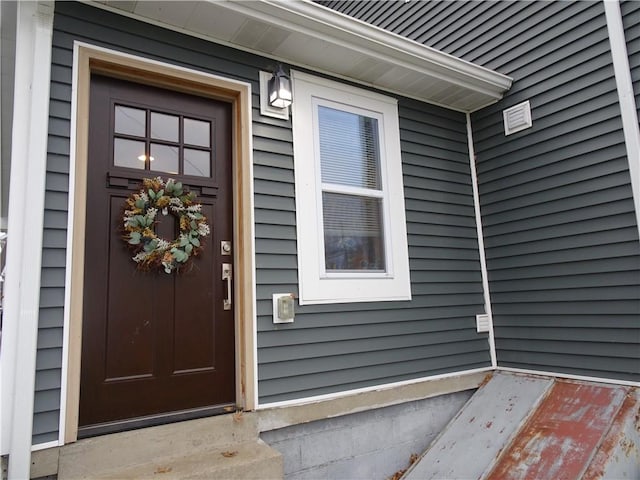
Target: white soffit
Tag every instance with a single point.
(306, 34)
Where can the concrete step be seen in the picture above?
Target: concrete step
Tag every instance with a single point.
(225, 446)
(247, 460)
(523, 426)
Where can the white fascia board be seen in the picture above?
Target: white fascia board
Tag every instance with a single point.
(311, 19)
(319, 27)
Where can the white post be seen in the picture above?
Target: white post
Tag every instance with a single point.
(25, 224)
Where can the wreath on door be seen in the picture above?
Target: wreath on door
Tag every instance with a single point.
(140, 217)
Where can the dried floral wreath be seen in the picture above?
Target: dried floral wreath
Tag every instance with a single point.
(139, 217)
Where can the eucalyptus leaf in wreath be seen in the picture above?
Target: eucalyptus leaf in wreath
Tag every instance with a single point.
(139, 220)
(134, 238)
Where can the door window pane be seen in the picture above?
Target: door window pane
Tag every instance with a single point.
(165, 158)
(165, 127)
(353, 233)
(197, 162)
(130, 121)
(197, 132)
(128, 153)
(160, 140)
(349, 148)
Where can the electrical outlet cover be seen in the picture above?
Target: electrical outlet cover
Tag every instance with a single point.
(276, 316)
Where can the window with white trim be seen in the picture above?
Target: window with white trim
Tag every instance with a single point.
(352, 240)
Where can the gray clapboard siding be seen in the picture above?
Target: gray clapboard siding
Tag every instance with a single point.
(326, 333)
(330, 380)
(607, 279)
(557, 250)
(344, 346)
(329, 348)
(340, 347)
(48, 379)
(560, 231)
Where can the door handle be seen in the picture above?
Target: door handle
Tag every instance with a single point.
(227, 270)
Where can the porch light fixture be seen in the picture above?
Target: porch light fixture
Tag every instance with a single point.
(280, 95)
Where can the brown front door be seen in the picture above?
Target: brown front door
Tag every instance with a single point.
(155, 343)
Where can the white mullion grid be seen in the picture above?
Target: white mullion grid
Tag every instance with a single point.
(351, 190)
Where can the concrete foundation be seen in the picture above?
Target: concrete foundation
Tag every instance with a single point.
(366, 445)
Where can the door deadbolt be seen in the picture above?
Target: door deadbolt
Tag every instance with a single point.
(225, 247)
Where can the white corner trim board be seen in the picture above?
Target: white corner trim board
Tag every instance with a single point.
(22, 296)
(626, 97)
(483, 258)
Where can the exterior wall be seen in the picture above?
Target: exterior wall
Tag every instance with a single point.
(338, 347)
(631, 23)
(557, 210)
(558, 214)
(7, 49)
(372, 444)
(329, 348)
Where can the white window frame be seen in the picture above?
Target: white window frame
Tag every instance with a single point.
(316, 285)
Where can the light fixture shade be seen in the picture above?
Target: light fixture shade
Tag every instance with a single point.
(280, 95)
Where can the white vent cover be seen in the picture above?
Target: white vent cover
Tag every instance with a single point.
(517, 118)
(482, 322)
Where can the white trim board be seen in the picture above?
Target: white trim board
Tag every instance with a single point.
(373, 388)
(569, 376)
(29, 150)
(624, 84)
(483, 258)
(44, 446)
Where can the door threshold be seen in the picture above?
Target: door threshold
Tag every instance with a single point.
(154, 420)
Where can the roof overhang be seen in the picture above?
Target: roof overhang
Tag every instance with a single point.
(309, 35)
